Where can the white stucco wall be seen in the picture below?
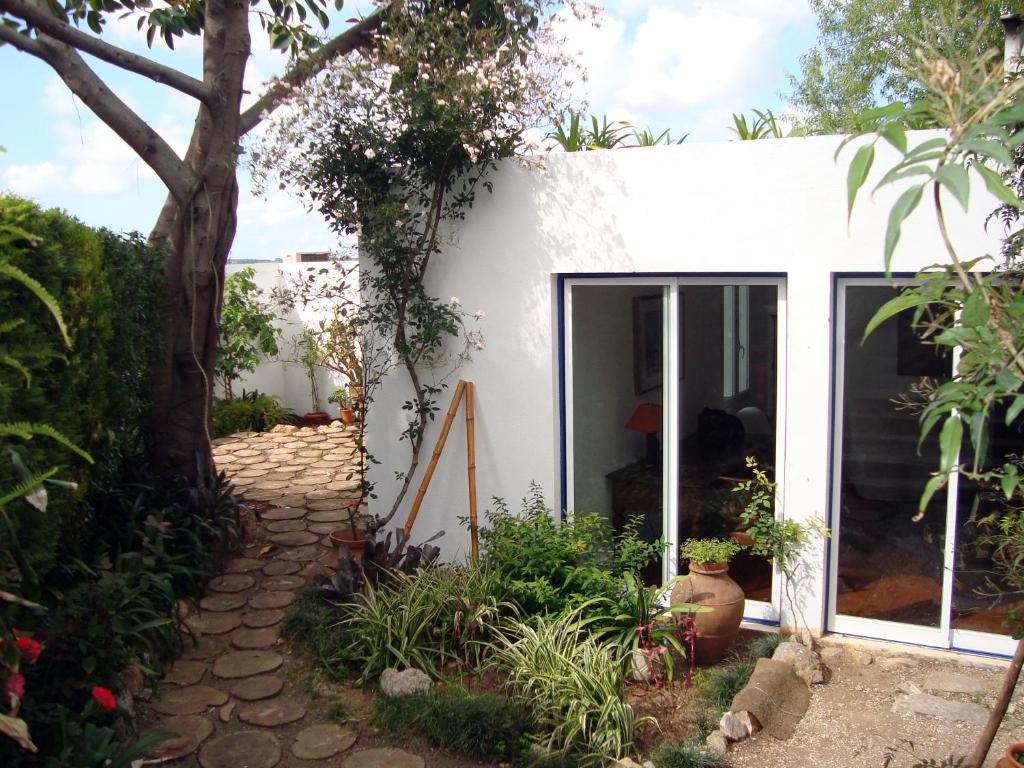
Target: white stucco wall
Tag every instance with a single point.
(281, 376)
(730, 208)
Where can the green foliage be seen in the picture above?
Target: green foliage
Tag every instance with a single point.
(314, 624)
(864, 55)
(710, 550)
(548, 567)
(685, 756)
(574, 137)
(763, 125)
(555, 667)
(482, 726)
(723, 682)
(252, 412)
(247, 330)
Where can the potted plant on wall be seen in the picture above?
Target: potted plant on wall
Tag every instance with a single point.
(309, 357)
(343, 399)
(709, 585)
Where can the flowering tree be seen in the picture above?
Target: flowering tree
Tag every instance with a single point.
(393, 147)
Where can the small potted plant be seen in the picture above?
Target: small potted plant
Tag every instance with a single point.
(1014, 757)
(709, 585)
(309, 357)
(343, 400)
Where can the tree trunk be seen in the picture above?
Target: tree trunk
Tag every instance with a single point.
(197, 235)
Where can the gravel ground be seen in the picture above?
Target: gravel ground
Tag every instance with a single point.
(850, 723)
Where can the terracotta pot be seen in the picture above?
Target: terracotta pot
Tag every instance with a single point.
(709, 585)
(355, 546)
(348, 416)
(317, 419)
(1014, 749)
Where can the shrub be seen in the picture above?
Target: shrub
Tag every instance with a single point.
(723, 683)
(684, 756)
(710, 550)
(247, 330)
(252, 412)
(481, 726)
(314, 623)
(548, 567)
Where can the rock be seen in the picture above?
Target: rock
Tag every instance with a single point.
(804, 661)
(717, 744)
(934, 706)
(832, 655)
(806, 639)
(954, 682)
(409, 681)
(648, 764)
(860, 656)
(188, 701)
(252, 749)
(225, 712)
(319, 742)
(386, 757)
(133, 681)
(732, 727)
(751, 723)
(908, 687)
(896, 662)
(284, 429)
(627, 762)
(257, 688)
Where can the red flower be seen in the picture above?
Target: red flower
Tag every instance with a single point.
(28, 648)
(15, 685)
(104, 698)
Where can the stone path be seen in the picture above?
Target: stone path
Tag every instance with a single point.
(230, 698)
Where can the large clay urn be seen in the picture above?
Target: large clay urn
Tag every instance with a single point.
(709, 585)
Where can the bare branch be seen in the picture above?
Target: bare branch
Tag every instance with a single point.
(354, 37)
(23, 43)
(40, 18)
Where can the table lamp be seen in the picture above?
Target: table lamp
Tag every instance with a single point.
(647, 418)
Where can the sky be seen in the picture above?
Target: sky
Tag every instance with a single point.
(686, 65)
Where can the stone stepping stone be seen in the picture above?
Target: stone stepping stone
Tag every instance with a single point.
(283, 513)
(206, 647)
(262, 600)
(260, 619)
(184, 672)
(382, 757)
(343, 485)
(324, 528)
(222, 602)
(192, 731)
(290, 500)
(320, 495)
(232, 582)
(252, 639)
(293, 538)
(286, 526)
(246, 664)
(246, 452)
(248, 474)
(935, 706)
(248, 461)
(319, 742)
(188, 701)
(330, 505)
(329, 516)
(283, 583)
(256, 688)
(272, 712)
(302, 554)
(213, 623)
(951, 682)
(252, 749)
(280, 568)
(243, 565)
(263, 495)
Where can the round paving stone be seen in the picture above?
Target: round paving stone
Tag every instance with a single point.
(286, 526)
(246, 664)
(275, 583)
(330, 516)
(263, 495)
(283, 513)
(243, 565)
(192, 731)
(280, 568)
(323, 528)
(293, 500)
(328, 505)
(293, 538)
(188, 701)
(318, 742)
(232, 582)
(251, 639)
(222, 602)
(184, 672)
(262, 600)
(252, 749)
(384, 757)
(205, 647)
(256, 688)
(260, 619)
(212, 623)
(272, 713)
(302, 554)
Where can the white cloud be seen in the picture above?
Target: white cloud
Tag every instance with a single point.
(32, 180)
(58, 100)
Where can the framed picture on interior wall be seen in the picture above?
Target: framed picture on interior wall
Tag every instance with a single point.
(913, 356)
(649, 343)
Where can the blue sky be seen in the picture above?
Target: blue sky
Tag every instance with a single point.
(680, 64)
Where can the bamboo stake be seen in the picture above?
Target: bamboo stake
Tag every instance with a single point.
(474, 542)
(460, 389)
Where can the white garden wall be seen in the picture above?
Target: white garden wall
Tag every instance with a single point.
(762, 207)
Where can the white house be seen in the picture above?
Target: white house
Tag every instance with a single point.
(720, 286)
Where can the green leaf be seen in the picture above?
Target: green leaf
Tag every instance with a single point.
(950, 437)
(996, 187)
(975, 311)
(904, 206)
(895, 135)
(1014, 410)
(41, 293)
(930, 489)
(893, 307)
(860, 166)
(1008, 481)
(955, 179)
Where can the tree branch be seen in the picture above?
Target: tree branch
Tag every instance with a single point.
(44, 21)
(354, 37)
(105, 104)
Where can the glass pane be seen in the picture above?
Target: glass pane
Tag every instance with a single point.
(728, 340)
(618, 384)
(890, 567)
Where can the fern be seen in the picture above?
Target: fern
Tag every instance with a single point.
(26, 486)
(26, 431)
(41, 293)
(13, 362)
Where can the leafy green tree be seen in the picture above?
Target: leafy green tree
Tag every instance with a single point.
(864, 55)
(247, 330)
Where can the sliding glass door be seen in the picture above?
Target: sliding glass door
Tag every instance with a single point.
(895, 574)
(671, 383)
